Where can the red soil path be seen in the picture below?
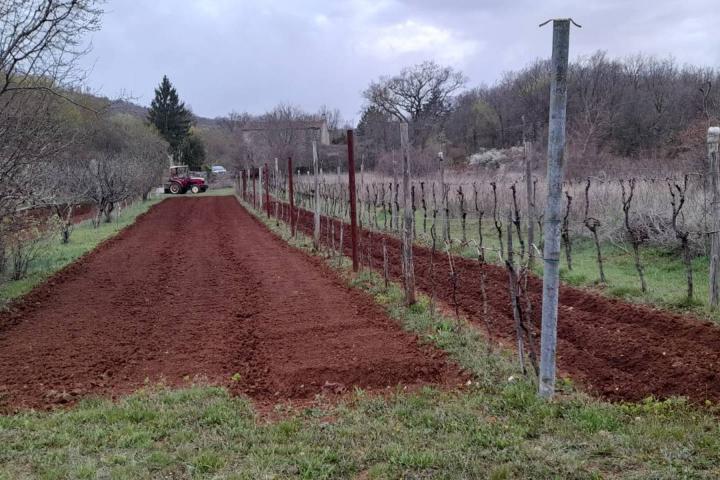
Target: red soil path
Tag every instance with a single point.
(197, 287)
(620, 351)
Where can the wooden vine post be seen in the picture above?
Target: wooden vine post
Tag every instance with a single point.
(276, 189)
(530, 203)
(713, 138)
(316, 225)
(244, 185)
(408, 220)
(260, 188)
(254, 189)
(291, 196)
(443, 200)
(267, 189)
(553, 209)
(351, 189)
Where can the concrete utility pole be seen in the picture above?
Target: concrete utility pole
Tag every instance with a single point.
(553, 209)
(713, 138)
(351, 187)
(316, 229)
(408, 266)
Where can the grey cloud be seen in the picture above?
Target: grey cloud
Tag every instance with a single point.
(225, 55)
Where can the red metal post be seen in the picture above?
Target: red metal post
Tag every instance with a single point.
(291, 196)
(267, 189)
(351, 186)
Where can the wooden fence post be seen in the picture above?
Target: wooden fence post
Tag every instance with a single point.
(351, 188)
(254, 190)
(713, 138)
(244, 185)
(444, 200)
(316, 229)
(267, 189)
(291, 196)
(362, 185)
(530, 204)
(408, 220)
(276, 189)
(553, 209)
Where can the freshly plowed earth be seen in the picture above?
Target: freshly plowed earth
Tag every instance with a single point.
(198, 288)
(620, 351)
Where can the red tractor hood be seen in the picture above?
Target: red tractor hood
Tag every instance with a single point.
(197, 180)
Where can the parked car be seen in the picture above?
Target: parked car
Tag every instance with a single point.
(219, 170)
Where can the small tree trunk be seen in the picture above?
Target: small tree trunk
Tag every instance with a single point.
(517, 223)
(463, 214)
(513, 287)
(109, 207)
(593, 224)
(496, 218)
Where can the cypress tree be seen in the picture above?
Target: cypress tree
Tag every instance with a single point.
(170, 116)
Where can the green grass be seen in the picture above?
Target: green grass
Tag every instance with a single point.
(494, 428)
(213, 192)
(55, 255)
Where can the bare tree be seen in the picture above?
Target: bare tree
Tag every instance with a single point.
(124, 157)
(420, 96)
(40, 42)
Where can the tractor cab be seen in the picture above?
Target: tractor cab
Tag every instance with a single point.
(179, 171)
(180, 181)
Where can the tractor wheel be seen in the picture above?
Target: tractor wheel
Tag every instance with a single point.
(195, 189)
(175, 189)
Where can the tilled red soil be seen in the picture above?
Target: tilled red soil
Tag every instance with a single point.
(620, 351)
(198, 288)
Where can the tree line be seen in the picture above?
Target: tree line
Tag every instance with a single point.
(635, 107)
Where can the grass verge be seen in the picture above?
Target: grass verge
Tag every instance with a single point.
(54, 255)
(495, 428)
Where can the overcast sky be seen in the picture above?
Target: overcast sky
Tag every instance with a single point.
(249, 55)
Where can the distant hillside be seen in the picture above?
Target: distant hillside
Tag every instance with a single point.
(130, 108)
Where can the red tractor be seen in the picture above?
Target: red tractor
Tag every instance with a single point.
(180, 181)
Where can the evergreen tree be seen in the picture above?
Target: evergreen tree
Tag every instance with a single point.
(191, 152)
(170, 116)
